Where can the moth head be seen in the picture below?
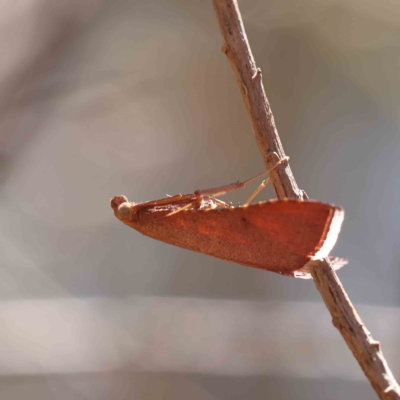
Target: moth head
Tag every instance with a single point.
(121, 206)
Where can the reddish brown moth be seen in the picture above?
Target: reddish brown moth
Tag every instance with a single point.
(279, 235)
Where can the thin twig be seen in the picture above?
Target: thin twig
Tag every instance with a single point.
(344, 317)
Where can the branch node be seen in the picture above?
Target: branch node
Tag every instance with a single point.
(376, 344)
(257, 74)
(389, 389)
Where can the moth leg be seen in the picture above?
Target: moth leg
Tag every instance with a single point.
(201, 203)
(258, 190)
(220, 203)
(178, 198)
(219, 191)
(264, 183)
(189, 205)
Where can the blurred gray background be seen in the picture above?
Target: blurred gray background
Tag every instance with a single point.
(99, 98)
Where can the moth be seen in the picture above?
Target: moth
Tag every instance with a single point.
(279, 235)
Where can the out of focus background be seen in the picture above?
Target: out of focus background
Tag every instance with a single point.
(99, 98)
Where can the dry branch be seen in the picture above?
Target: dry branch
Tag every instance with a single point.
(344, 317)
